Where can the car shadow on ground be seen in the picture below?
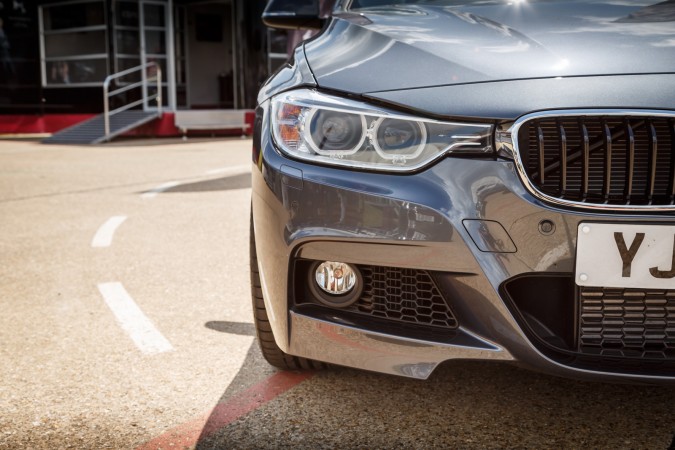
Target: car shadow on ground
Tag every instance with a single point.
(229, 183)
(463, 404)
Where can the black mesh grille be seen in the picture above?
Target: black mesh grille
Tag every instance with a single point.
(601, 159)
(630, 323)
(404, 295)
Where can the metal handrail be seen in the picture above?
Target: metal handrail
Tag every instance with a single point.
(157, 78)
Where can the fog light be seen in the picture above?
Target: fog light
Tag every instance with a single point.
(335, 284)
(335, 278)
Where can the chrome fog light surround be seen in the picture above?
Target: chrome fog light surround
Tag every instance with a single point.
(335, 284)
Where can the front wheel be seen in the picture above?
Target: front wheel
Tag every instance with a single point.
(270, 350)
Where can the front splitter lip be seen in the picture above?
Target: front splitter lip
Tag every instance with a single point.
(385, 353)
(353, 347)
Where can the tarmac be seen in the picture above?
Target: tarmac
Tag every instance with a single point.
(126, 323)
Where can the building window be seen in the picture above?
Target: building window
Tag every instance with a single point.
(73, 38)
(127, 39)
(277, 49)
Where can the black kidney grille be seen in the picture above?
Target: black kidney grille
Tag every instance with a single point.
(404, 295)
(632, 323)
(611, 160)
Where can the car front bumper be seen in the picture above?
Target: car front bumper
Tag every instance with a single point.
(470, 222)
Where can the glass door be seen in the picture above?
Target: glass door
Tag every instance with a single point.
(140, 29)
(153, 33)
(127, 40)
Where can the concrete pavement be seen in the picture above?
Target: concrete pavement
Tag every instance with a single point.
(84, 366)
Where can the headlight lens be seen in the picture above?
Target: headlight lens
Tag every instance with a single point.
(313, 126)
(333, 132)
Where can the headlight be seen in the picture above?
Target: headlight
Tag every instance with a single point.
(321, 128)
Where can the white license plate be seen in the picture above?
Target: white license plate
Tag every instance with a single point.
(632, 256)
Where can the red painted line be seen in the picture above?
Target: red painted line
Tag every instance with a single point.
(189, 433)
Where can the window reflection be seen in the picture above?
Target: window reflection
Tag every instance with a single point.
(75, 43)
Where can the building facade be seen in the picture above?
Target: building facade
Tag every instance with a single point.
(55, 55)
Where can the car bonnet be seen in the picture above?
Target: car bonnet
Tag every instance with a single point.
(413, 46)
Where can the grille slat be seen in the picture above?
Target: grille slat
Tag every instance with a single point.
(586, 157)
(630, 156)
(653, 155)
(607, 186)
(542, 161)
(605, 159)
(563, 159)
(671, 187)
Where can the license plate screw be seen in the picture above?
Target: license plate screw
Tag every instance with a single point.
(583, 277)
(585, 229)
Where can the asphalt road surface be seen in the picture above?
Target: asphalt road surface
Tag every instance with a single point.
(125, 322)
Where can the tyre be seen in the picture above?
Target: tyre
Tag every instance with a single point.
(270, 350)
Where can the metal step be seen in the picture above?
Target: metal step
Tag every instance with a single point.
(92, 131)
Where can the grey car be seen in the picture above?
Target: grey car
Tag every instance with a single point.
(493, 180)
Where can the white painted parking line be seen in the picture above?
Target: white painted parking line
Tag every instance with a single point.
(105, 233)
(226, 170)
(161, 188)
(132, 320)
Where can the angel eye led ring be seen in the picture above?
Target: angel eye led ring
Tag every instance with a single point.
(391, 154)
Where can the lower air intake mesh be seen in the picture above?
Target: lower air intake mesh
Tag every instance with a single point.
(633, 323)
(404, 295)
